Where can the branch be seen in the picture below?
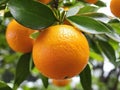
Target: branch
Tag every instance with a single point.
(55, 4)
(107, 78)
(117, 81)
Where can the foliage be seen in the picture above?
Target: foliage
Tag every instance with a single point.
(102, 32)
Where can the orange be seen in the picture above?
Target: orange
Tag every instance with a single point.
(61, 83)
(115, 7)
(60, 52)
(91, 1)
(44, 1)
(18, 38)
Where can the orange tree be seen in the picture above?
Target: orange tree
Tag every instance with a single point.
(60, 51)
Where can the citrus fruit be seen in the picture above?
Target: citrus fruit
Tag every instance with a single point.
(60, 52)
(91, 1)
(115, 7)
(44, 1)
(18, 38)
(61, 83)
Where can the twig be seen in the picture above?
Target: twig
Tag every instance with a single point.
(117, 81)
(55, 4)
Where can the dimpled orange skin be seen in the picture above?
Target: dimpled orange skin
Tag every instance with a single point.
(44, 1)
(115, 7)
(60, 52)
(18, 38)
(61, 83)
(91, 1)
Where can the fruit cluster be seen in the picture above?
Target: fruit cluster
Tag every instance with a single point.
(59, 52)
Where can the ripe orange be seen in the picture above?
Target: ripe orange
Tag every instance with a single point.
(44, 1)
(18, 38)
(115, 7)
(60, 52)
(91, 1)
(61, 83)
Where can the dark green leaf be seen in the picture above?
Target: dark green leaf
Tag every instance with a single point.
(95, 52)
(88, 24)
(3, 1)
(112, 34)
(1, 18)
(22, 69)
(108, 50)
(88, 9)
(7, 14)
(114, 21)
(44, 80)
(2, 7)
(100, 3)
(4, 86)
(93, 44)
(31, 13)
(85, 78)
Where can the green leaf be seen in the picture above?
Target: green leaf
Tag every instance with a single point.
(108, 50)
(96, 56)
(73, 11)
(98, 16)
(85, 78)
(87, 9)
(7, 14)
(22, 69)
(31, 13)
(44, 80)
(31, 65)
(1, 18)
(88, 24)
(114, 44)
(93, 43)
(35, 35)
(112, 34)
(3, 1)
(6, 21)
(95, 52)
(115, 20)
(4, 86)
(100, 3)
(69, 2)
(116, 27)
(2, 7)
